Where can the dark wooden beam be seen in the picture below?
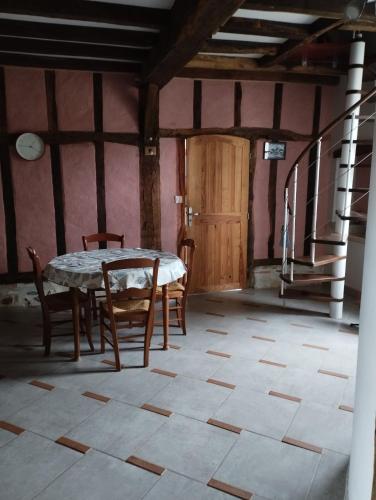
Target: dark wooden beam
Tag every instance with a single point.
(79, 10)
(41, 61)
(246, 26)
(99, 156)
(197, 102)
(56, 173)
(86, 34)
(192, 22)
(32, 46)
(215, 45)
(150, 197)
(333, 9)
(76, 136)
(258, 74)
(273, 171)
(312, 171)
(10, 278)
(237, 104)
(289, 48)
(7, 185)
(246, 132)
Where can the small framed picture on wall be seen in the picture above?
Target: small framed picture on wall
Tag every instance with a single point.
(274, 150)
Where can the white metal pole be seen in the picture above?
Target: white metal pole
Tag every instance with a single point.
(362, 446)
(348, 151)
(315, 200)
(285, 232)
(293, 217)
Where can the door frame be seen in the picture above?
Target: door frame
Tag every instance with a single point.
(182, 170)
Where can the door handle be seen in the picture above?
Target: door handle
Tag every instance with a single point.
(190, 215)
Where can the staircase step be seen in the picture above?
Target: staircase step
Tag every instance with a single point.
(307, 295)
(309, 278)
(329, 239)
(354, 217)
(354, 190)
(322, 260)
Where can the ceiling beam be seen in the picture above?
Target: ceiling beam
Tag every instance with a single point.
(39, 61)
(246, 26)
(289, 48)
(192, 22)
(85, 34)
(257, 74)
(215, 45)
(81, 10)
(332, 9)
(33, 46)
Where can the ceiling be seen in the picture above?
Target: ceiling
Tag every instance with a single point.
(304, 39)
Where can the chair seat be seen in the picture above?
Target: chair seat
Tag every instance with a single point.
(131, 306)
(172, 287)
(62, 301)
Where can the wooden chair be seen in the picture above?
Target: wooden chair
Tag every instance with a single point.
(55, 303)
(179, 289)
(133, 306)
(98, 238)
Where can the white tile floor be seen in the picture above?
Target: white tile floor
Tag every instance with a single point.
(298, 338)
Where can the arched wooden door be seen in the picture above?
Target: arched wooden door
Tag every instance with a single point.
(217, 199)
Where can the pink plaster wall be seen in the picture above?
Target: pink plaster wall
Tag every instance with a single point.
(297, 107)
(260, 204)
(176, 104)
(26, 99)
(123, 192)
(217, 103)
(3, 251)
(169, 188)
(257, 104)
(120, 104)
(74, 97)
(80, 196)
(34, 205)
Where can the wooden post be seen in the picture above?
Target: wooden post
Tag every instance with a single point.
(150, 197)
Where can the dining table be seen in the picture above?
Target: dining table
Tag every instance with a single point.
(83, 269)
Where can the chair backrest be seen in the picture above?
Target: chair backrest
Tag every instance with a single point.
(99, 237)
(187, 249)
(133, 293)
(38, 276)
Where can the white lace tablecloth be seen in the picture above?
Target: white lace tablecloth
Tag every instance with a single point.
(84, 269)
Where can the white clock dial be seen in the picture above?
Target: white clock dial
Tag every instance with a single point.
(30, 146)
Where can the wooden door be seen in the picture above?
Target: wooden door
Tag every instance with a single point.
(217, 194)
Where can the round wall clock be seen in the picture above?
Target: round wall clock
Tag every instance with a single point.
(30, 146)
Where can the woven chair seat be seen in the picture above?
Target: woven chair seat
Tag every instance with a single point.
(127, 306)
(172, 287)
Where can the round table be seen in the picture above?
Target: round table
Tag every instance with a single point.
(84, 270)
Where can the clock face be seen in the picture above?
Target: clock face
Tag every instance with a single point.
(30, 146)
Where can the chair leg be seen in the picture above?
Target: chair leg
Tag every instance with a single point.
(93, 304)
(88, 326)
(148, 336)
(47, 327)
(116, 346)
(101, 329)
(182, 312)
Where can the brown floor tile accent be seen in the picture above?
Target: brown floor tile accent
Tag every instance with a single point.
(352, 331)
(217, 301)
(11, 428)
(285, 396)
(222, 354)
(230, 490)
(219, 382)
(333, 374)
(257, 319)
(301, 444)
(108, 362)
(252, 304)
(273, 363)
(220, 332)
(42, 385)
(267, 339)
(223, 425)
(73, 445)
(301, 325)
(215, 314)
(143, 464)
(155, 409)
(98, 397)
(164, 372)
(171, 346)
(313, 346)
(346, 408)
